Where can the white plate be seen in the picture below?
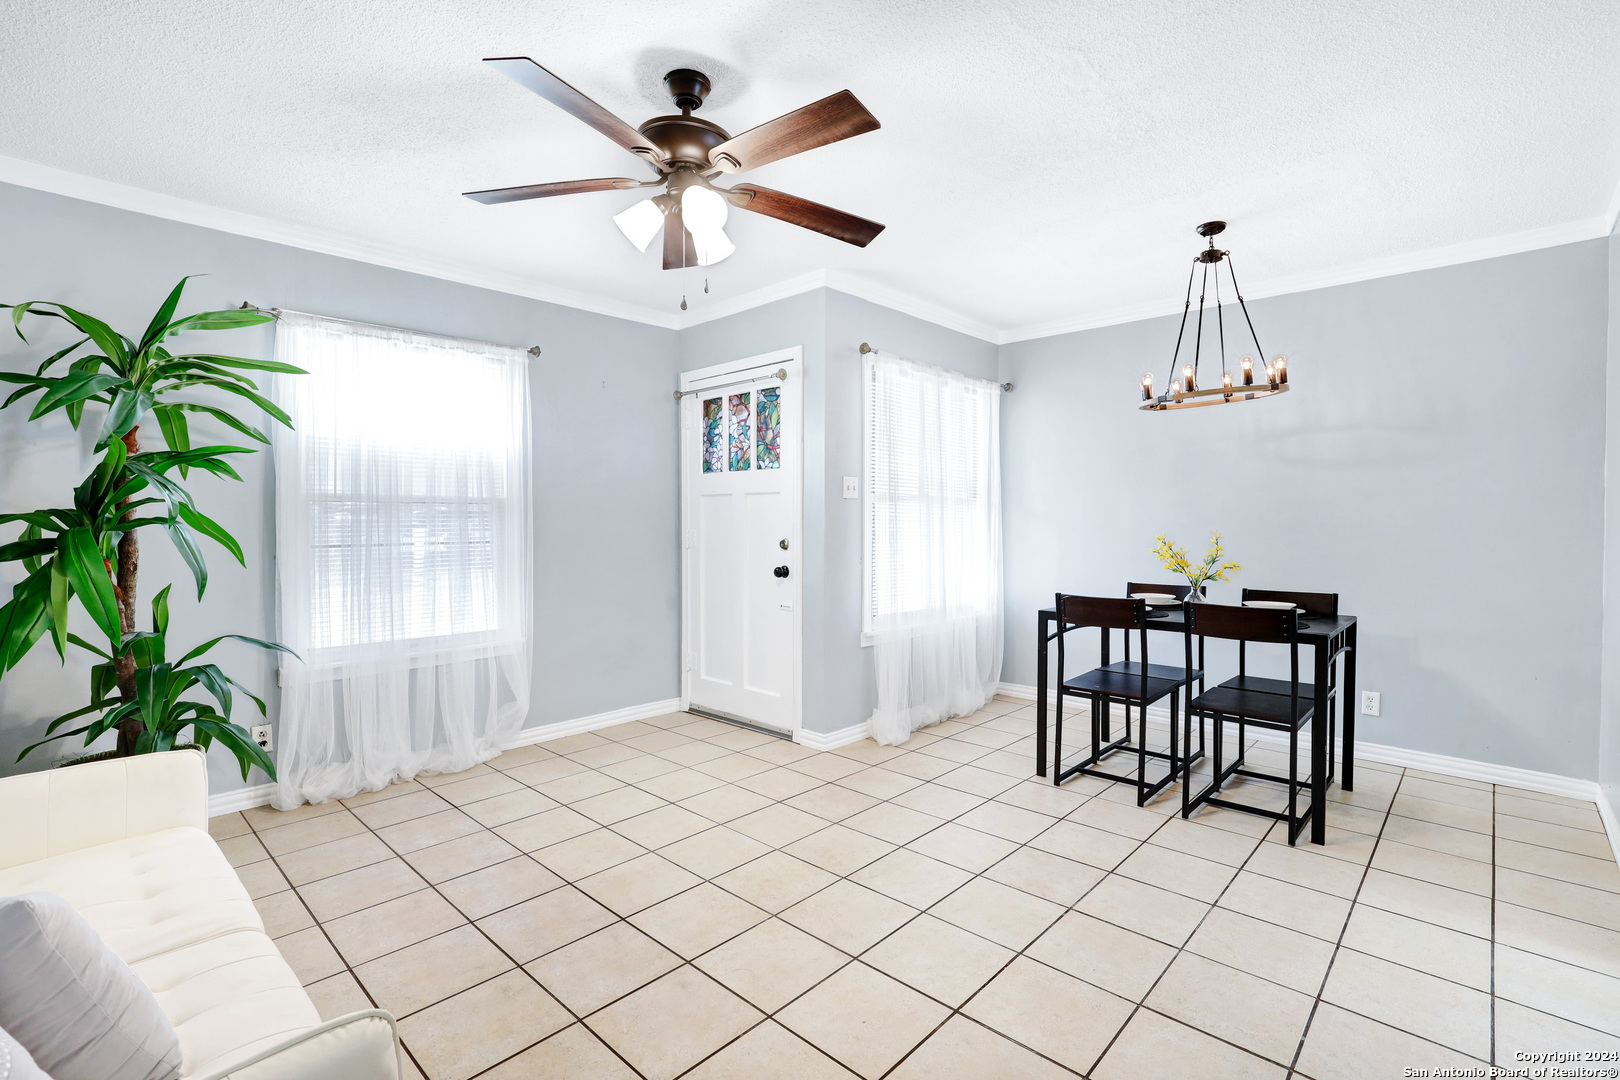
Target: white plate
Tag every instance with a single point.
(1155, 599)
(1274, 605)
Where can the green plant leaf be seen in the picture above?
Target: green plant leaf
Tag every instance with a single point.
(176, 430)
(229, 319)
(160, 610)
(144, 647)
(152, 692)
(157, 329)
(40, 519)
(75, 639)
(216, 682)
(55, 356)
(74, 387)
(211, 529)
(245, 362)
(87, 572)
(103, 681)
(239, 742)
(22, 619)
(128, 407)
(164, 460)
(26, 549)
(186, 543)
(241, 391)
(61, 592)
(27, 308)
(30, 748)
(260, 642)
(227, 419)
(115, 345)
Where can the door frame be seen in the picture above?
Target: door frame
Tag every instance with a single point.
(700, 379)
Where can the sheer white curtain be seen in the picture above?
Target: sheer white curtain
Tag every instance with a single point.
(402, 555)
(933, 482)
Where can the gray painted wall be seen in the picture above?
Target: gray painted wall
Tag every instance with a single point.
(1439, 464)
(606, 521)
(839, 687)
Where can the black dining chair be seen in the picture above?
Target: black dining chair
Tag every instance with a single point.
(1103, 686)
(1181, 593)
(1320, 605)
(1288, 710)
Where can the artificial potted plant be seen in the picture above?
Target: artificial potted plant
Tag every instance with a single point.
(89, 552)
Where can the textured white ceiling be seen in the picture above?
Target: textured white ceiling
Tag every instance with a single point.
(1038, 162)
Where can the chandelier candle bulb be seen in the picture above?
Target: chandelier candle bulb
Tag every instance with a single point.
(1147, 387)
(1281, 366)
(1271, 377)
(1247, 364)
(1187, 378)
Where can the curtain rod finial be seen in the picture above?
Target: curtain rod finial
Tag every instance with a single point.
(865, 348)
(1006, 387)
(534, 350)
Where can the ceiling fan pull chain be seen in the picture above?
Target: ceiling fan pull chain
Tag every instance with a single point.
(705, 286)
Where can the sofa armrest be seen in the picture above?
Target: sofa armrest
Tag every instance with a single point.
(55, 811)
(360, 1046)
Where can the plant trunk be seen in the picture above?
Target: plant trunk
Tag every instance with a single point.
(129, 558)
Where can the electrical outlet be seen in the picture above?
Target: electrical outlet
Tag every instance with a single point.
(1370, 703)
(852, 487)
(261, 735)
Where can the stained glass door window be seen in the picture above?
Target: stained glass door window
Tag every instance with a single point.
(714, 444)
(741, 443)
(768, 422)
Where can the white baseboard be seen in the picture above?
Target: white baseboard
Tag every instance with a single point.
(831, 740)
(564, 728)
(230, 802)
(245, 798)
(1464, 768)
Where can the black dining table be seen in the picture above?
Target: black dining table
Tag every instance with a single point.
(1328, 640)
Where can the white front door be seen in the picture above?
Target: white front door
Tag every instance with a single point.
(741, 475)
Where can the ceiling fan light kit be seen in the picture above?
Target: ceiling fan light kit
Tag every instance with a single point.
(1184, 392)
(688, 154)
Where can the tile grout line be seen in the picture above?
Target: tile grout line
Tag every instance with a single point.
(862, 765)
(1316, 1004)
(575, 1017)
(344, 960)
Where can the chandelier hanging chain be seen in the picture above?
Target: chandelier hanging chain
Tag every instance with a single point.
(1183, 390)
(1231, 268)
(1175, 357)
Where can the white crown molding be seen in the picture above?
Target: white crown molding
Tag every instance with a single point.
(40, 177)
(1431, 259)
(30, 174)
(831, 740)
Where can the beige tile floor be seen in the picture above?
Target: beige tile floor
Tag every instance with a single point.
(678, 897)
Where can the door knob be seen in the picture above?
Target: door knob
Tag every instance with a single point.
(780, 571)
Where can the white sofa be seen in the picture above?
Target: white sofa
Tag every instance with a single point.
(126, 843)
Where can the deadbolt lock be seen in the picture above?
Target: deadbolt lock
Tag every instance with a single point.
(784, 545)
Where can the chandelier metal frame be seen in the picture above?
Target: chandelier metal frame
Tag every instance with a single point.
(1184, 392)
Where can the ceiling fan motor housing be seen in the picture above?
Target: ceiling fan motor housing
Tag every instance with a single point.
(687, 87)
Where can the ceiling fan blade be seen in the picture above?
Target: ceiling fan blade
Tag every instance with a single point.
(679, 250)
(805, 214)
(545, 191)
(839, 116)
(523, 70)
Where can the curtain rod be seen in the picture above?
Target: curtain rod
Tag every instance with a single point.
(1006, 387)
(532, 350)
(779, 375)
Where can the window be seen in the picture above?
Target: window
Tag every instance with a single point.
(932, 493)
(410, 460)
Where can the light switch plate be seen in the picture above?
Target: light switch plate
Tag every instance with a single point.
(852, 487)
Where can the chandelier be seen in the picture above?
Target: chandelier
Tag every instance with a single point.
(1185, 391)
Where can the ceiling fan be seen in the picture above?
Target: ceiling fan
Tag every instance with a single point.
(689, 154)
